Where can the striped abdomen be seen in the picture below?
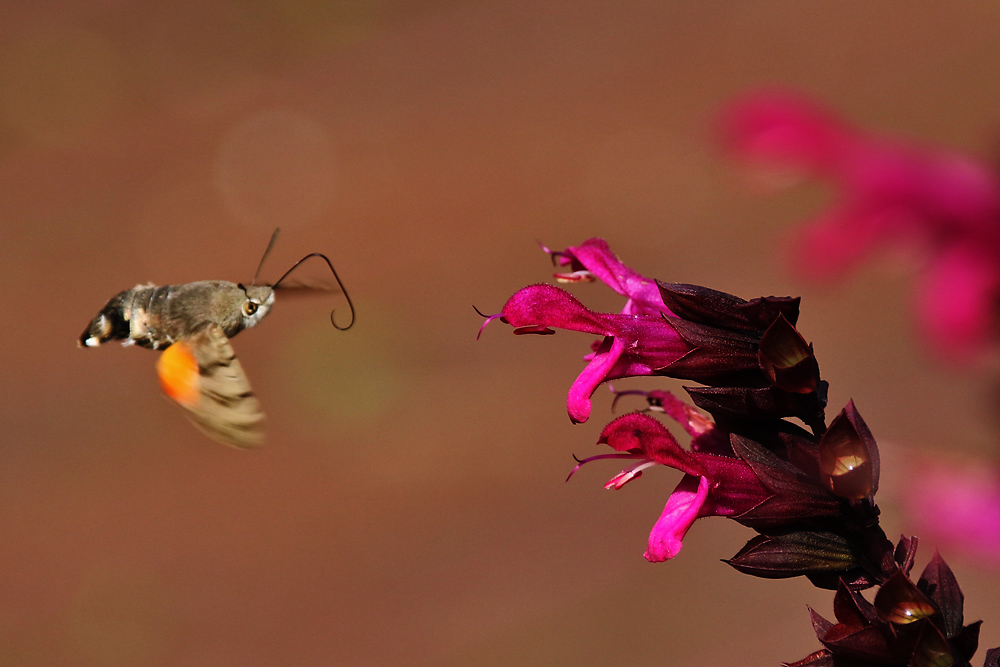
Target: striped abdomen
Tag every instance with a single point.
(132, 316)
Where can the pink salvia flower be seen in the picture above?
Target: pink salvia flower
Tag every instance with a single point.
(632, 344)
(713, 484)
(888, 191)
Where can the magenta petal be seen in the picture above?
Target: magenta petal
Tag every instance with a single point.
(839, 240)
(550, 306)
(640, 432)
(640, 345)
(596, 257)
(680, 512)
(786, 129)
(578, 400)
(956, 188)
(957, 300)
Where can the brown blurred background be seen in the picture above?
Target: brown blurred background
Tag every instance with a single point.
(409, 506)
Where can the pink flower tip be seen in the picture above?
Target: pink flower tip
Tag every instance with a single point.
(680, 512)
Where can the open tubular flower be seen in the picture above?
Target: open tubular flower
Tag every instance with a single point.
(793, 505)
(633, 344)
(713, 484)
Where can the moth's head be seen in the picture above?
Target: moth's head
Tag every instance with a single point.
(256, 304)
(260, 298)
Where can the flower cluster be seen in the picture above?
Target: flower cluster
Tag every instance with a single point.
(809, 492)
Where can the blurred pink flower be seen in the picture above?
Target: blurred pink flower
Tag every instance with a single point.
(956, 504)
(888, 191)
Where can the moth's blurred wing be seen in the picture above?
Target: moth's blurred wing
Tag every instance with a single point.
(202, 375)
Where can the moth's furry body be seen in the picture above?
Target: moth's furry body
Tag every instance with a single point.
(192, 323)
(157, 316)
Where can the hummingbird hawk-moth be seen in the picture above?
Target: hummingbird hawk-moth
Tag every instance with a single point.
(192, 323)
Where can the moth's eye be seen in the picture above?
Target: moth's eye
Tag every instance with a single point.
(249, 308)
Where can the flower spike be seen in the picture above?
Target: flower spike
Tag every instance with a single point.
(810, 496)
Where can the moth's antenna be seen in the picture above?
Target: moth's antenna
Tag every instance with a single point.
(334, 271)
(267, 251)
